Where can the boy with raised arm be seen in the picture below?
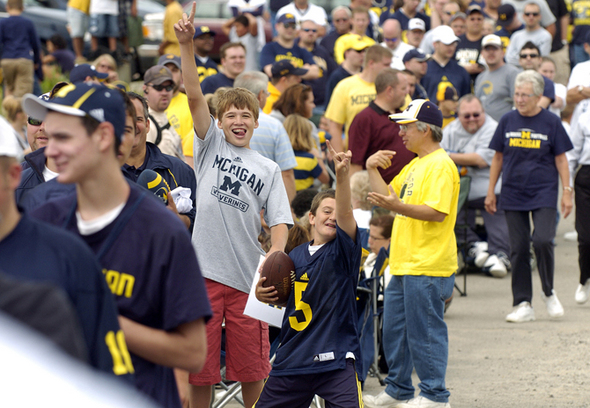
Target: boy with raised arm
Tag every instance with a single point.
(234, 184)
(319, 337)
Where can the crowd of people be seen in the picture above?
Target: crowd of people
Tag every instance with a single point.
(391, 106)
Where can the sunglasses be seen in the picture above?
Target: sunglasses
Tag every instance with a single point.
(161, 88)
(450, 13)
(34, 122)
(525, 56)
(290, 25)
(394, 39)
(307, 30)
(469, 115)
(341, 20)
(531, 14)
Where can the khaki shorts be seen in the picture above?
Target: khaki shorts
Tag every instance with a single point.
(18, 76)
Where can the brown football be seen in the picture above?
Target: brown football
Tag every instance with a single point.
(278, 269)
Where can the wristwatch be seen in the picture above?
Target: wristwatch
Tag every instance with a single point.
(580, 88)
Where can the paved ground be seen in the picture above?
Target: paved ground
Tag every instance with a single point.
(492, 363)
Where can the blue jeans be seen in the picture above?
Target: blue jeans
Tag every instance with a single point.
(415, 335)
(580, 54)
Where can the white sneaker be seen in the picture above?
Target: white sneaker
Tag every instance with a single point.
(381, 400)
(571, 236)
(479, 253)
(554, 307)
(495, 267)
(421, 402)
(521, 313)
(582, 292)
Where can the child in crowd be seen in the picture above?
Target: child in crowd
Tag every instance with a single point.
(310, 164)
(234, 184)
(319, 337)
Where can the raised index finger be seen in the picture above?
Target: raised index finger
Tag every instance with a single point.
(191, 17)
(334, 152)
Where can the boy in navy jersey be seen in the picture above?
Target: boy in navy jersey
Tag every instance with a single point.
(319, 337)
(143, 248)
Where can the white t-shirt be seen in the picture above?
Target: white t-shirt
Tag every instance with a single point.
(314, 13)
(104, 7)
(560, 91)
(398, 54)
(49, 174)
(580, 76)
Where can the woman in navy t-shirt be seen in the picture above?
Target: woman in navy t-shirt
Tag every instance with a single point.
(530, 145)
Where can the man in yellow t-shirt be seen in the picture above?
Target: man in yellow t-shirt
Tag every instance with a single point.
(423, 259)
(173, 13)
(178, 112)
(353, 94)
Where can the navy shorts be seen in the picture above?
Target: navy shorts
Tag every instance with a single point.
(339, 388)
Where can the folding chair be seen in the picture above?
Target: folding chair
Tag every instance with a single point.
(463, 226)
(370, 319)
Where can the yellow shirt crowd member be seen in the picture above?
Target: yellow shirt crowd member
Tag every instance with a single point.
(179, 116)
(425, 247)
(171, 16)
(350, 96)
(82, 5)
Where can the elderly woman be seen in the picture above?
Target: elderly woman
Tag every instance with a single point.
(530, 145)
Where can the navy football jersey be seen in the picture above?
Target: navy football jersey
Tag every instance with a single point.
(39, 252)
(152, 270)
(319, 325)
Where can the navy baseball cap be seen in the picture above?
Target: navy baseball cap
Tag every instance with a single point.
(81, 71)
(286, 19)
(419, 110)
(505, 14)
(199, 31)
(96, 101)
(170, 59)
(284, 67)
(415, 53)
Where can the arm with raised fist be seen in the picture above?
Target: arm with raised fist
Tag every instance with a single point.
(185, 31)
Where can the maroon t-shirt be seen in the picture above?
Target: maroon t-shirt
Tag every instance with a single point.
(371, 131)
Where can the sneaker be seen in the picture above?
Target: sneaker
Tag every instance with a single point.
(582, 292)
(421, 402)
(554, 307)
(495, 267)
(521, 313)
(479, 253)
(571, 236)
(381, 400)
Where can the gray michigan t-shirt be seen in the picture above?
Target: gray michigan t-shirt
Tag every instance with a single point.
(233, 185)
(495, 90)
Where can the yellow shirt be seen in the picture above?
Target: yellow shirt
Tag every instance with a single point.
(426, 247)
(343, 42)
(350, 96)
(82, 5)
(171, 16)
(179, 116)
(274, 96)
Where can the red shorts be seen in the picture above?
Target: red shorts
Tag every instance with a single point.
(247, 350)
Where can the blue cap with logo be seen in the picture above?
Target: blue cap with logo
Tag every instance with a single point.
(283, 68)
(201, 30)
(96, 101)
(286, 19)
(170, 59)
(415, 53)
(419, 110)
(81, 71)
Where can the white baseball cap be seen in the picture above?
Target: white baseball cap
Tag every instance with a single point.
(416, 24)
(8, 144)
(491, 39)
(444, 34)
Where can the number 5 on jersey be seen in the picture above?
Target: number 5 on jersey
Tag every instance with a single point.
(299, 288)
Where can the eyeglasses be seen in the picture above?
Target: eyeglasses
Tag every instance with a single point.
(523, 96)
(341, 20)
(161, 88)
(525, 56)
(469, 115)
(307, 30)
(34, 122)
(531, 14)
(290, 25)
(394, 39)
(404, 128)
(450, 13)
